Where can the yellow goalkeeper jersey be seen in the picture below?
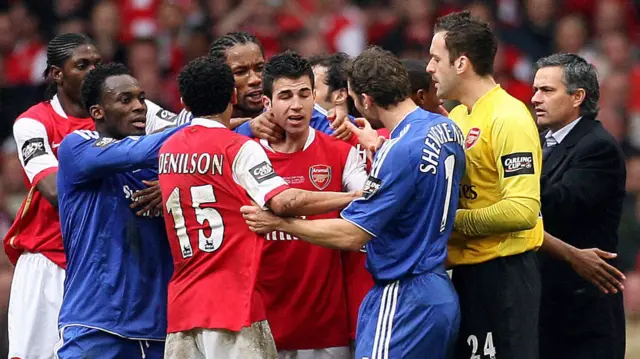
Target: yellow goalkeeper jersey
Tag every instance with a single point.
(499, 208)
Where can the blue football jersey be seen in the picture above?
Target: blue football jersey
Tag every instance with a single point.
(118, 264)
(411, 196)
(318, 121)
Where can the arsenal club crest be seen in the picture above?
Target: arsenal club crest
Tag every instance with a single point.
(320, 176)
(472, 137)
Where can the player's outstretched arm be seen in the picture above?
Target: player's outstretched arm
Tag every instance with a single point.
(333, 233)
(588, 263)
(86, 155)
(297, 202)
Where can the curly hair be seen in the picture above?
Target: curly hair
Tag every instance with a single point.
(285, 65)
(206, 85)
(220, 45)
(93, 84)
(379, 74)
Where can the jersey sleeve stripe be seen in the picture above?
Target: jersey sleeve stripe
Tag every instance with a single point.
(274, 192)
(358, 225)
(42, 174)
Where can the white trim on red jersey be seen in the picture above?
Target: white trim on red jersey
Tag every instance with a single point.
(310, 138)
(34, 150)
(354, 174)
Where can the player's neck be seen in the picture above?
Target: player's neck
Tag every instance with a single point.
(472, 90)
(291, 143)
(238, 113)
(70, 107)
(391, 117)
(220, 118)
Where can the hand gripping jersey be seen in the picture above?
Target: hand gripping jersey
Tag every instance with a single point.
(119, 264)
(302, 284)
(409, 199)
(504, 162)
(207, 173)
(38, 133)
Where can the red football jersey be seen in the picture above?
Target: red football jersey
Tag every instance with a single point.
(207, 173)
(303, 284)
(38, 133)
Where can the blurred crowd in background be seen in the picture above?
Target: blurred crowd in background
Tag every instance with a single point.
(155, 38)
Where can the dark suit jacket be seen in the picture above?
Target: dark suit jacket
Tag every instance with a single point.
(583, 187)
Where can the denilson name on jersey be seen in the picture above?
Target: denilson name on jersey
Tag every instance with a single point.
(437, 136)
(182, 163)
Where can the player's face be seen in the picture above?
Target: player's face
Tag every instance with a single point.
(246, 62)
(292, 104)
(122, 110)
(322, 90)
(427, 99)
(440, 67)
(83, 59)
(553, 106)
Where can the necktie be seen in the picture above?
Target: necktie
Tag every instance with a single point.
(549, 144)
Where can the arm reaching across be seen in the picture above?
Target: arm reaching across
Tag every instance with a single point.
(335, 233)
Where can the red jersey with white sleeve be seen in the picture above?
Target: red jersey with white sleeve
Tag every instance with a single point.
(206, 174)
(303, 284)
(358, 280)
(38, 133)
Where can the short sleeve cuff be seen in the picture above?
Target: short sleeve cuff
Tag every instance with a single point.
(274, 192)
(42, 174)
(355, 223)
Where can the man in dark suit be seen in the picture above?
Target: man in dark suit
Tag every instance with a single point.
(583, 186)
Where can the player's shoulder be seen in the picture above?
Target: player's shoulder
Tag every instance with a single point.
(507, 109)
(332, 143)
(42, 113)
(458, 112)
(81, 136)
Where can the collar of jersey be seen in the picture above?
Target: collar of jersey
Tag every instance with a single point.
(320, 109)
(57, 107)
(485, 97)
(310, 138)
(401, 121)
(206, 123)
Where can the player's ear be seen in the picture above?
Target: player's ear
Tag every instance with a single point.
(462, 64)
(56, 74)
(266, 102)
(96, 112)
(234, 96)
(367, 101)
(421, 96)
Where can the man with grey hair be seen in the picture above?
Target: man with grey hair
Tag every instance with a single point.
(582, 189)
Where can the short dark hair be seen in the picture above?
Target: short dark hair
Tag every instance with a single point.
(206, 85)
(379, 74)
(471, 37)
(285, 65)
(220, 45)
(93, 83)
(336, 65)
(577, 73)
(323, 60)
(419, 78)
